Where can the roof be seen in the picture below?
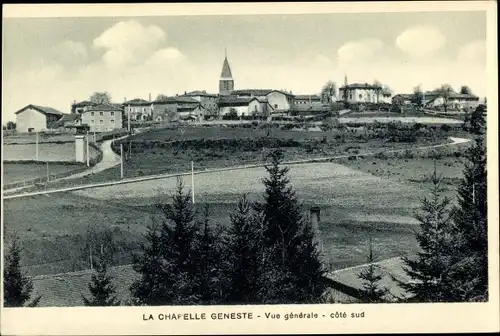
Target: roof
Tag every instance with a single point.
(200, 93)
(391, 270)
(226, 70)
(404, 95)
(83, 103)
(176, 100)
(307, 97)
(257, 92)
(188, 106)
(43, 109)
(103, 107)
(137, 101)
(361, 86)
(233, 101)
(68, 118)
(312, 107)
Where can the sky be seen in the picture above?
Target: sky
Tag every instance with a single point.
(55, 61)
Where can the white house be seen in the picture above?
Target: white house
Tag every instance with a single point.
(362, 93)
(456, 101)
(102, 118)
(34, 118)
(272, 101)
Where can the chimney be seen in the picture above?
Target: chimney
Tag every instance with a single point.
(150, 97)
(315, 218)
(124, 99)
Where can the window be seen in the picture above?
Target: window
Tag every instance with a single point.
(112, 114)
(112, 121)
(275, 106)
(92, 121)
(92, 114)
(101, 122)
(101, 114)
(360, 96)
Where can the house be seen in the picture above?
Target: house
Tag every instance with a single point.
(35, 118)
(386, 97)
(81, 106)
(277, 101)
(190, 112)
(345, 284)
(243, 106)
(138, 109)
(103, 118)
(207, 100)
(402, 99)
(457, 101)
(307, 99)
(310, 109)
(361, 93)
(168, 108)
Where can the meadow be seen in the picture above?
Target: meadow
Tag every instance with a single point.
(16, 172)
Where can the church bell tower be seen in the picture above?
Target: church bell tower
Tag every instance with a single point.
(226, 81)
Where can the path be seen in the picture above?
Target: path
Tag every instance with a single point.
(455, 141)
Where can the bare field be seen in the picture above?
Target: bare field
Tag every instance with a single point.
(46, 152)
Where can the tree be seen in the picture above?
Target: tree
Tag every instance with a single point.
(101, 288)
(378, 89)
(11, 125)
(291, 267)
(162, 97)
(432, 271)
(445, 92)
(470, 216)
(100, 98)
(233, 114)
(208, 280)
(418, 96)
(328, 92)
(475, 122)
(372, 292)
(243, 252)
(17, 286)
(464, 89)
(167, 266)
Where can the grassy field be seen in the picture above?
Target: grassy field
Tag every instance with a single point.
(14, 172)
(46, 152)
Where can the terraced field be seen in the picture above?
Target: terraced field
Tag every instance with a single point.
(46, 152)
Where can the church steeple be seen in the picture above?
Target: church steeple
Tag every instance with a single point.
(226, 81)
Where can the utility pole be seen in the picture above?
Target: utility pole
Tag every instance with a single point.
(192, 181)
(87, 150)
(128, 118)
(37, 146)
(121, 160)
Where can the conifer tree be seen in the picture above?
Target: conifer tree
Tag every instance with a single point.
(207, 280)
(371, 276)
(289, 251)
(470, 216)
(17, 286)
(243, 255)
(171, 255)
(432, 270)
(101, 289)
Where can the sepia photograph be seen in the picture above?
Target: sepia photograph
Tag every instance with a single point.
(266, 167)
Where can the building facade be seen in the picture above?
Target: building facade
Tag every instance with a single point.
(226, 81)
(139, 109)
(35, 118)
(306, 99)
(103, 118)
(361, 93)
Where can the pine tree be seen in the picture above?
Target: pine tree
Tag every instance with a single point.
(172, 254)
(432, 270)
(207, 280)
(243, 255)
(288, 245)
(101, 288)
(470, 216)
(17, 286)
(371, 276)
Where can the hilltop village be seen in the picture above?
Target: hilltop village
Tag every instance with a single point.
(99, 114)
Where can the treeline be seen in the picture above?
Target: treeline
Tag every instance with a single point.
(268, 254)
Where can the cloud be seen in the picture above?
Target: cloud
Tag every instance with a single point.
(421, 41)
(128, 43)
(359, 51)
(473, 52)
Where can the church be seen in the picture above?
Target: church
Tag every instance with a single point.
(250, 102)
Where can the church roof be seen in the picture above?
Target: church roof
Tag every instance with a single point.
(226, 70)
